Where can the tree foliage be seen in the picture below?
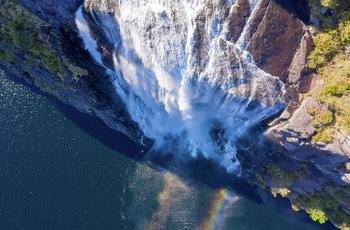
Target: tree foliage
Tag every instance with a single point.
(331, 57)
(317, 215)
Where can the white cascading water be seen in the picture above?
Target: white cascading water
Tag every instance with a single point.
(183, 81)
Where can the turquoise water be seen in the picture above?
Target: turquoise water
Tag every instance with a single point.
(60, 174)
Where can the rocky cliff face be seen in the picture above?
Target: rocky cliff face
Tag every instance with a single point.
(39, 41)
(55, 13)
(317, 171)
(55, 60)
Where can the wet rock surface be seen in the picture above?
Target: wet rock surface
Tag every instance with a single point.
(238, 19)
(57, 13)
(276, 36)
(279, 43)
(60, 65)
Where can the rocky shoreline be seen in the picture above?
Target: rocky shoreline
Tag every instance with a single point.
(294, 167)
(319, 170)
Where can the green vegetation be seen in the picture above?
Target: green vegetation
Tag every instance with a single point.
(295, 208)
(322, 205)
(339, 14)
(329, 43)
(323, 119)
(25, 42)
(331, 117)
(21, 34)
(317, 215)
(327, 46)
(331, 57)
(282, 191)
(323, 135)
(76, 70)
(51, 61)
(347, 166)
(333, 3)
(285, 179)
(6, 55)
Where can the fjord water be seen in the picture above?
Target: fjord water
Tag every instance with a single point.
(54, 175)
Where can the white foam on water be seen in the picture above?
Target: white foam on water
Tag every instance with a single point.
(192, 100)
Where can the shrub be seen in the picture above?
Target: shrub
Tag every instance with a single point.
(295, 208)
(323, 135)
(347, 166)
(284, 179)
(51, 61)
(323, 119)
(282, 191)
(6, 55)
(344, 29)
(327, 45)
(312, 111)
(317, 215)
(335, 89)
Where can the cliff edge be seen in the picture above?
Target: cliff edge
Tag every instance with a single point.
(39, 42)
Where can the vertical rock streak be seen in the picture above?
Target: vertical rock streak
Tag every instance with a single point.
(183, 80)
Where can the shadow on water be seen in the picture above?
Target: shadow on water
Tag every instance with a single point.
(199, 170)
(91, 125)
(202, 170)
(299, 8)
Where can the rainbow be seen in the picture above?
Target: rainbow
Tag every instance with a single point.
(221, 203)
(166, 199)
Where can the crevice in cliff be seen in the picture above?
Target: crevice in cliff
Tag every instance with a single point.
(299, 8)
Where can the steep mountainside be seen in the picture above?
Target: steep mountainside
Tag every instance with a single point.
(41, 43)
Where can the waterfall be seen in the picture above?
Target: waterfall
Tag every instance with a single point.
(187, 85)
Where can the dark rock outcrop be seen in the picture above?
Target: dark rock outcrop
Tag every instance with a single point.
(299, 8)
(238, 19)
(275, 37)
(57, 13)
(49, 53)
